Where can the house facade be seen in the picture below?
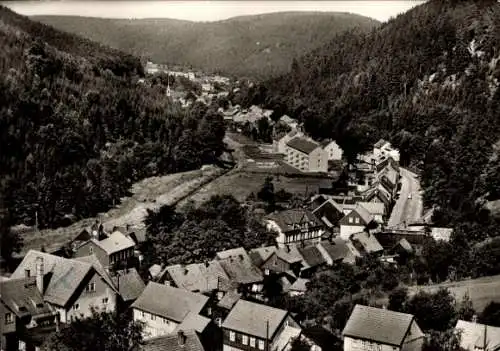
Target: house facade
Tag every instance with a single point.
(252, 326)
(354, 222)
(295, 225)
(383, 149)
(306, 155)
(71, 286)
(370, 329)
(163, 308)
(333, 151)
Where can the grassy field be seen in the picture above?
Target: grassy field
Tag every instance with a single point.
(150, 193)
(481, 290)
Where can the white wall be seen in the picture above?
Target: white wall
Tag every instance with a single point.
(351, 344)
(347, 230)
(334, 151)
(154, 325)
(318, 160)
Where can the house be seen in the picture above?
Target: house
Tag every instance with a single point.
(24, 312)
(117, 249)
(336, 251)
(377, 193)
(197, 277)
(366, 243)
(389, 161)
(183, 340)
(129, 284)
(319, 338)
(254, 326)
(243, 274)
(441, 234)
(71, 286)
(289, 121)
(276, 260)
(330, 213)
(376, 209)
(389, 179)
(210, 334)
(295, 225)
(333, 150)
(306, 155)
(280, 145)
(163, 308)
(384, 149)
(312, 260)
(476, 336)
(370, 328)
(299, 287)
(356, 221)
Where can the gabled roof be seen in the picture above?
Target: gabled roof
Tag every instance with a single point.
(193, 321)
(329, 213)
(236, 252)
(202, 277)
(241, 270)
(251, 318)
(229, 300)
(170, 342)
(405, 245)
(363, 213)
(287, 219)
(374, 208)
(379, 325)
(287, 119)
(155, 270)
(63, 276)
(261, 254)
(169, 302)
(299, 285)
(337, 249)
(23, 298)
(129, 283)
(380, 143)
(303, 145)
(368, 242)
(115, 242)
(97, 265)
(473, 336)
(312, 256)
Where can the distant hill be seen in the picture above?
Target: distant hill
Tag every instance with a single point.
(428, 81)
(256, 46)
(78, 125)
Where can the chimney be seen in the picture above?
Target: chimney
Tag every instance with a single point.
(39, 274)
(181, 338)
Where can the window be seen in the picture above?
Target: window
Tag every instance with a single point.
(357, 220)
(165, 321)
(143, 314)
(91, 249)
(153, 317)
(76, 307)
(350, 219)
(27, 273)
(105, 300)
(244, 340)
(232, 336)
(252, 342)
(91, 287)
(8, 318)
(261, 344)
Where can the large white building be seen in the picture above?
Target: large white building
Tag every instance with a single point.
(306, 155)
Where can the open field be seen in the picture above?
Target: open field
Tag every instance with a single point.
(481, 290)
(150, 193)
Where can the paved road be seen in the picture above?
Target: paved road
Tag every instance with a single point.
(407, 210)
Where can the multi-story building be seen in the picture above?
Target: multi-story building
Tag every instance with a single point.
(71, 286)
(356, 221)
(370, 328)
(252, 326)
(383, 149)
(295, 225)
(306, 155)
(163, 308)
(333, 150)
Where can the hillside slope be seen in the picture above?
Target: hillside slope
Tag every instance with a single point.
(428, 81)
(244, 46)
(77, 128)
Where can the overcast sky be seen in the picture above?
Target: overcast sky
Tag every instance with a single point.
(206, 10)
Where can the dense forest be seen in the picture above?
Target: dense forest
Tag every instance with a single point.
(77, 126)
(428, 82)
(251, 46)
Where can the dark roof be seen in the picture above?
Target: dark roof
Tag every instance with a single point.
(169, 302)
(337, 249)
(194, 321)
(261, 254)
(129, 283)
(303, 145)
(379, 325)
(236, 252)
(202, 277)
(312, 256)
(23, 298)
(317, 200)
(288, 218)
(368, 242)
(329, 212)
(241, 270)
(321, 337)
(171, 343)
(251, 318)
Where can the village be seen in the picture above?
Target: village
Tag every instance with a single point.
(370, 209)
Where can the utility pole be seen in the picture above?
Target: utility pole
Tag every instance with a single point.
(267, 335)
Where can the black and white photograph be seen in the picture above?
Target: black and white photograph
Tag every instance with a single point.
(250, 175)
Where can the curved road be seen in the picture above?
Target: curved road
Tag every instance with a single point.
(407, 210)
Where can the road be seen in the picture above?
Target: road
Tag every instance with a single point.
(407, 210)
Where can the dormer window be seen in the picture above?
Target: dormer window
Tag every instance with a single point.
(9, 318)
(27, 273)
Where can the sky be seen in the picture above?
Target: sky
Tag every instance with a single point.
(206, 10)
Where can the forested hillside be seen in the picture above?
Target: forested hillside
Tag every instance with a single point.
(255, 46)
(427, 81)
(77, 127)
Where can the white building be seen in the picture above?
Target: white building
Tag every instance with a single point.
(306, 155)
(383, 149)
(333, 150)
